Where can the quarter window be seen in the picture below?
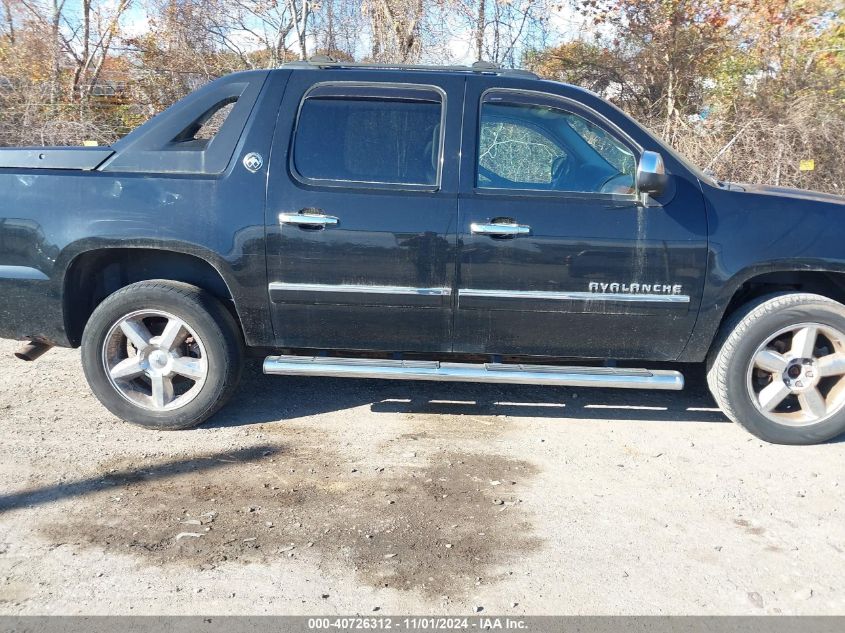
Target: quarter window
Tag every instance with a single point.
(387, 136)
(526, 146)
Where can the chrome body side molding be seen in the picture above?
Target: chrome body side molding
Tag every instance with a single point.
(472, 292)
(387, 290)
(360, 295)
(574, 296)
(469, 372)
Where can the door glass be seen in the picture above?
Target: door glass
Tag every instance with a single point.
(368, 140)
(539, 147)
(515, 152)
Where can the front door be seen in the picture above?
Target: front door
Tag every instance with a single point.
(362, 211)
(559, 255)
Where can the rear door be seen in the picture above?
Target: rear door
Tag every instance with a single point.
(559, 254)
(362, 210)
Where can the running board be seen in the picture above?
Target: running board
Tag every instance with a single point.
(611, 377)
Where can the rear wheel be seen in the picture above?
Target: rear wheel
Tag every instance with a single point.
(162, 354)
(778, 368)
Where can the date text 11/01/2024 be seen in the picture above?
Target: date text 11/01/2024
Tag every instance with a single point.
(485, 623)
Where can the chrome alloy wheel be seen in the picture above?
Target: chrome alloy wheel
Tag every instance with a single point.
(155, 360)
(797, 377)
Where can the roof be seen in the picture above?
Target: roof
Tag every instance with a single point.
(482, 68)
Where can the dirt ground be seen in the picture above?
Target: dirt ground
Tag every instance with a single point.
(312, 496)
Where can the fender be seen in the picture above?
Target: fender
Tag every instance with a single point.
(243, 274)
(755, 230)
(719, 293)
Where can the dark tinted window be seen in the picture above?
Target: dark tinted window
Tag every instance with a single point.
(369, 139)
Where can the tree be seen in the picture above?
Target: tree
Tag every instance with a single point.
(500, 28)
(746, 87)
(742, 87)
(395, 28)
(84, 37)
(8, 24)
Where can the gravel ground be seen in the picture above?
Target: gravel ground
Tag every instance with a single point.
(310, 496)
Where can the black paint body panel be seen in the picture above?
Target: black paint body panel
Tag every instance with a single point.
(756, 230)
(386, 236)
(577, 239)
(705, 238)
(84, 158)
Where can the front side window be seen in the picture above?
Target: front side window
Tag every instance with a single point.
(516, 152)
(526, 146)
(388, 137)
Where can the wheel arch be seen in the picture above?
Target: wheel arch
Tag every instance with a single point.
(754, 283)
(828, 283)
(93, 274)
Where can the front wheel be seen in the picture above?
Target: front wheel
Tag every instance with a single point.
(778, 368)
(162, 354)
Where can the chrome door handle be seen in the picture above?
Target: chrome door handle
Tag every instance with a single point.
(504, 228)
(308, 219)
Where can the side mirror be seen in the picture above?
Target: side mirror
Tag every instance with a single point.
(651, 174)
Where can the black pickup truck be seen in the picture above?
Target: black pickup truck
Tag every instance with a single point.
(462, 223)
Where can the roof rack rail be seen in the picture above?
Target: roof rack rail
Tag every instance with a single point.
(480, 67)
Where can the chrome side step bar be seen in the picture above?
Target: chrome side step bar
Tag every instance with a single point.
(611, 377)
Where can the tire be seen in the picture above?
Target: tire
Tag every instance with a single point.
(793, 346)
(152, 334)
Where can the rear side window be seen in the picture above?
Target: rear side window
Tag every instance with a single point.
(199, 134)
(380, 135)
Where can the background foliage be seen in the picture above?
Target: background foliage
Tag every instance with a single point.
(747, 88)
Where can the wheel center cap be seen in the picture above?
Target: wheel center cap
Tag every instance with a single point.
(158, 359)
(801, 375)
